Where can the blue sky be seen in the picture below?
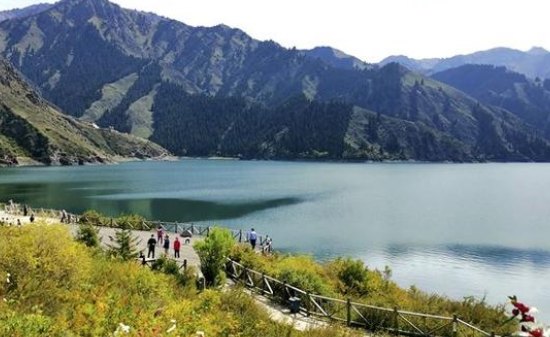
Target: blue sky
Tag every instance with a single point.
(368, 29)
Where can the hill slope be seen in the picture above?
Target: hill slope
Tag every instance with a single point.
(23, 12)
(526, 98)
(165, 80)
(533, 63)
(32, 131)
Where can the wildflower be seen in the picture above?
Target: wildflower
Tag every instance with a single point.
(122, 328)
(200, 334)
(173, 327)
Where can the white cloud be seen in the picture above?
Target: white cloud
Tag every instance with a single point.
(369, 29)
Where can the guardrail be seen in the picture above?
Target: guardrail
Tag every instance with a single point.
(353, 314)
(175, 227)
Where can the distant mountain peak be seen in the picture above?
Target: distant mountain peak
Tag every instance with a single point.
(533, 63)
(336, 58)
(538, 51)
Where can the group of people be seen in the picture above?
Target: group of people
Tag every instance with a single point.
(11, 210)
(164, 240)
(267, 246)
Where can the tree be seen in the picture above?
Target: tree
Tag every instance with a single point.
(88, 235)
(212, 253)
(125, 245)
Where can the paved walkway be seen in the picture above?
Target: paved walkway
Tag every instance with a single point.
(277, 313)
(108, 234)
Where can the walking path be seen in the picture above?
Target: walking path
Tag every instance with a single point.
(276, 312)
(107, 235)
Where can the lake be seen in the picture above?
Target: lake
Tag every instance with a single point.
(454, 229)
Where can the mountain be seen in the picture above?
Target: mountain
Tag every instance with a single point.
(23, 12)
(33, 132)
(526, 98)
(533, 63)
(336, 58)
(216, 91)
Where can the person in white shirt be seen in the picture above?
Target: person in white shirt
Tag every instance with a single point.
(252, 238)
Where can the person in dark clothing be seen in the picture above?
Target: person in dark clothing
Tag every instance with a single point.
(151, 244)
(160, 234)
(25, 210)
(32, 218)
(166, 245)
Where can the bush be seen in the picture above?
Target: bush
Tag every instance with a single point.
(353, 276)
(45, 266)
(88, 235)
(124, 246)
(213, 252)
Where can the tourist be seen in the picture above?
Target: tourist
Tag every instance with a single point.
(268, 245)
(32, 218)
(160, 234)
(19, 222)
(177, 246)
(25, 210)
(166, 245)
(151, 246)
(252, 238)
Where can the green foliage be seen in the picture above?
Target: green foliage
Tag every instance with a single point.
(77, 292)
(125, 221)
(88, 235)
(347, 278)
(213, 252)
(124, 246)
(353, 275)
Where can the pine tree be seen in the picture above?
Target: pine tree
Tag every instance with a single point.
(125, 245)
(88, 235)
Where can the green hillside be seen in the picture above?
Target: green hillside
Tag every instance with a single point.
(32, 131)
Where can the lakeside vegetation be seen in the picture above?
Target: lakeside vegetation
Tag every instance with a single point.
(55, 286)
(56, 282)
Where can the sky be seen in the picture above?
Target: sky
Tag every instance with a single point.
(367, 29)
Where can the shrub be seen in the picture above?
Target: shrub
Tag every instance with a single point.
(213, 252)
(124, 246)
(88, 235)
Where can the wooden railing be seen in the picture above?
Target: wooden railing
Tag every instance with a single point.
(175, 227)
(354, 314)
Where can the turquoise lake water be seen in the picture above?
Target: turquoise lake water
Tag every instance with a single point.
(455, 229)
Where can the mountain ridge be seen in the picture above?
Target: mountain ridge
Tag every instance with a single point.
(33, 132)
(532, 63)
(145, 74)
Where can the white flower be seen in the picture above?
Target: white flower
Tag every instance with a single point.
(200, 334)
(122, 328)
(171, 329)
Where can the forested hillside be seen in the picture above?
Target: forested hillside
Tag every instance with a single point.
(32, 131)
(217, 91)
(526, 98)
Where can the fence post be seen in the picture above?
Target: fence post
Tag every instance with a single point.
(396, 321)
(111, 223)
(455, 325)
(308, 304)
(348, 311)
(208, 231)
(185, 264)
(240, 235)
(176, 227)
(193, 228)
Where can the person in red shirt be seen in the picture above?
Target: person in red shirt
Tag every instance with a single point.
(177, 246)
